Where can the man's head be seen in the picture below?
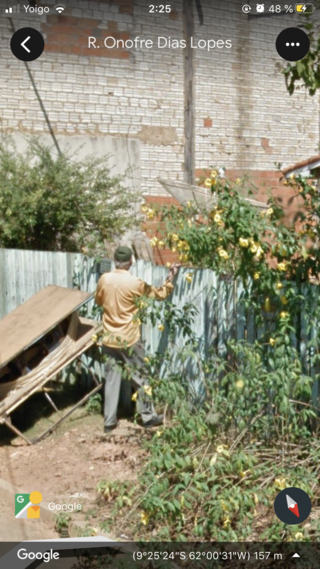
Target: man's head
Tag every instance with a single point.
(123, 257)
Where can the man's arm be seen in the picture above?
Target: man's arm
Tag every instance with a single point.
(161, 292)
(99, 293)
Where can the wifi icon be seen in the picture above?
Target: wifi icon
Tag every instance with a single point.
(60, 8)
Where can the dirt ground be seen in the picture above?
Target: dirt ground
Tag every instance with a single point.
(67, 465)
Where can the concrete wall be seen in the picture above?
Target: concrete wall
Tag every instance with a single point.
(122, 154)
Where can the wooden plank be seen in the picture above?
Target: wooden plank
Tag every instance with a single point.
(189, 89)
(27, 323)
(16, 431)
(16, 398)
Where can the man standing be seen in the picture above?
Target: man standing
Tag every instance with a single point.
(117, 292)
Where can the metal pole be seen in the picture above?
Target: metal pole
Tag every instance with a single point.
(39, 99)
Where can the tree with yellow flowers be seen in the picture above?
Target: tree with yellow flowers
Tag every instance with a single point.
(272, 255)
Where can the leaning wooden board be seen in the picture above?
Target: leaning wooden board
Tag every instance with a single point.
(35, 317)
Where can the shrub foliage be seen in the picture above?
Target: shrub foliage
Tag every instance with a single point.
(56, 203)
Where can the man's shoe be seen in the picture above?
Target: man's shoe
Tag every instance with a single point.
(110, 428)
(158, 420)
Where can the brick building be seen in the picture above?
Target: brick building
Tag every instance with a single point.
(244, 118)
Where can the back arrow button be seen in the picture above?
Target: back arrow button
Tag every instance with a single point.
(27, 44)
(24, 46)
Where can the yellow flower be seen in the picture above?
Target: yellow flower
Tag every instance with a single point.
(298, 535)
(161, 244)
(188, 204)
(94, 337)
(269, 212)
(283, 300)
(148, 389)
(159, 433)
(240, 384)
(279, 285)
(214, 173)
(285, 183)
(280, 483)
(146, 360)
(153, 242)
(238, 180)
(161, 327)
(144, 208)
(284, 315)
(282, 266)
(189, 223)
(256, 276)
(175, 237)
(208, 183)
(134, 396)
(183, 258)
(259, 252)
(168, 265)
(226, 522)
(222, 253)
(189, 278)
(291, 177)
(173, 249)
(220, 449)
(244, 473)
(243, 242)
(183, 245)
(254, 247)
(144, 518)
(150, 214)
(255, 498)
(272, 341)
(217, 219)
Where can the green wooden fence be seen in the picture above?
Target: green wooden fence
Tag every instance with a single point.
(220, 317)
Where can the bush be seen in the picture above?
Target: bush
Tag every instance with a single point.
(54, 203)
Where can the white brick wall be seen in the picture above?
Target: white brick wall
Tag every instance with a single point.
(240, 89)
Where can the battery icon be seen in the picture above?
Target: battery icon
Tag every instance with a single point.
(305, 8)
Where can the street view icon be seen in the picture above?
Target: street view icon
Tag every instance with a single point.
(292, 506)
(27, 505)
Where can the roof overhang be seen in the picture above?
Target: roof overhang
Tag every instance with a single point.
(305, 168)
(203, 197)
